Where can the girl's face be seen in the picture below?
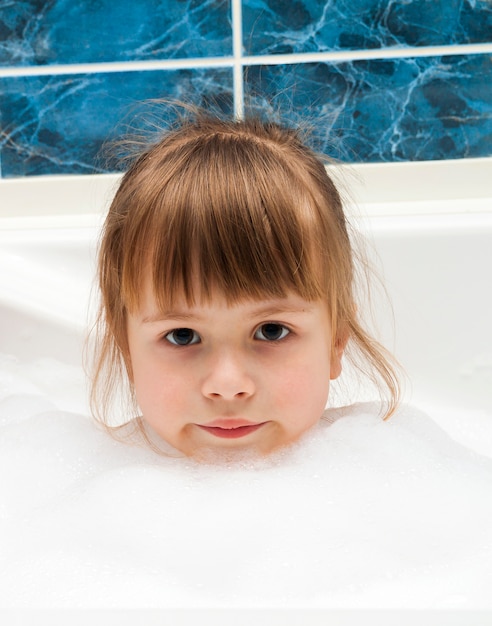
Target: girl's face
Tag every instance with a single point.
(252, 376)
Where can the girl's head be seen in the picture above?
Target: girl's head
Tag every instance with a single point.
(227, 279)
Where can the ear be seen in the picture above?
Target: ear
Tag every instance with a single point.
(337, 351)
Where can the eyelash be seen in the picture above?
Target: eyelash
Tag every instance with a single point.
(171, 334)
(284, 332)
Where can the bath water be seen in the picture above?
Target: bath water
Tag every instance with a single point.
(360, 513)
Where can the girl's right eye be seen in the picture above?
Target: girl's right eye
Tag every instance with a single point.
(183, 337)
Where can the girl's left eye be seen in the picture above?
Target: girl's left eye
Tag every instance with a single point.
(271, 332)
(183, 337)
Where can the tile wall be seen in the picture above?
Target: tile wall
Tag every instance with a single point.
(379, 80)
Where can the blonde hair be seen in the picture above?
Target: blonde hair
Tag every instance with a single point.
(244, 207)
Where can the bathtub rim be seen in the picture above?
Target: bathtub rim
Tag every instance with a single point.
(268, 616)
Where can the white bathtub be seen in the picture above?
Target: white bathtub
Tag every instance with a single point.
(431, 227)
(430, 224)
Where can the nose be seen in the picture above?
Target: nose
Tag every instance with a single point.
(227, 378)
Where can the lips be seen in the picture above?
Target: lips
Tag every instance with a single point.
(231, 428)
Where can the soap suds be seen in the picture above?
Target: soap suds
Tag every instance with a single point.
(360, 513)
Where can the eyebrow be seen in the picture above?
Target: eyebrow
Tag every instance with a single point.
(163, 316)
(267, 311)
(271, 311)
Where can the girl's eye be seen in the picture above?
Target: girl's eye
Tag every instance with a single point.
(271, 332)
(183, 337)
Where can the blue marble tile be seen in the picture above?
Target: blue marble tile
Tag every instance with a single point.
(383, 110)
(285, 26)
(39, 32)
(58, 124)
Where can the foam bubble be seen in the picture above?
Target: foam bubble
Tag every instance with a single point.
(360, 513)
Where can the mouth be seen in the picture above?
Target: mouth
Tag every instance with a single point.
(231, 429)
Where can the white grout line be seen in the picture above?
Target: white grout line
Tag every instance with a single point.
(359, 55)
(237, 61)
(237, 44)
(118, 66)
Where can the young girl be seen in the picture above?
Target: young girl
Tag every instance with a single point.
(227, 281)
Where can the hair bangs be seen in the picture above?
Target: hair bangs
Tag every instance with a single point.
(244, 226)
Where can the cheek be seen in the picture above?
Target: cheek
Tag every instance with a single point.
(158, 388)
(304, 386)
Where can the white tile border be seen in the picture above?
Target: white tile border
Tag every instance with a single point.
(388, 189)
